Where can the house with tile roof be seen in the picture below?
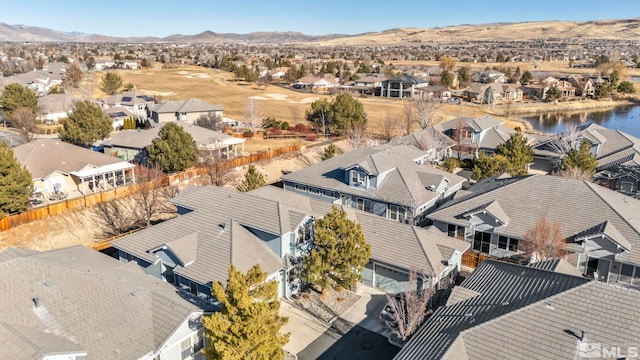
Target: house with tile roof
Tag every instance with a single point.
(437, 145)
(509, 311)
(390, 181)
(474, 135)
(58, 168)
(131, 145)
(75, 303)
(132, 100)
(601, 226)
(402, 86)
(182, 111)
(274, 228)
(54, 107)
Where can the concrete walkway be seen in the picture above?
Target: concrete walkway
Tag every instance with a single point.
(305, 328)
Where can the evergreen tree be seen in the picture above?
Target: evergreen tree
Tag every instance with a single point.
(86, 124)
(446, 78)
(248, 324)
(16, 184)
(111, 83)
(554, 93)
(463, 74)
(518, 153)
(319, 115)
(173, 149)
(582, 159)
(626, 87)
(338, 115)
(526, 77)
(253, 179)
(329, 152)
(340, 252)
(16, 96)
(487, 166)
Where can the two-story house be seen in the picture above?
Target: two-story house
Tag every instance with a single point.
(368, 84)
(600, 225)
(402, 86)
(390, 181)
(132, 100)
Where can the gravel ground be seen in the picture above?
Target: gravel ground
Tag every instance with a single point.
(326, 308)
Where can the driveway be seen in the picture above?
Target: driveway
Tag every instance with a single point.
(11, 138)
(356, 344)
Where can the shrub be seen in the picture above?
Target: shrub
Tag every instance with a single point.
(301, 128)
(449, 164)
(275, 131)
(284, 125)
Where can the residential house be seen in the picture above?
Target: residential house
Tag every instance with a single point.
(539, 90)
(76, 303)
(368, 84)
(274, 227)
(488, 77)
(54, 107)
(118, 115)
(102, 65)
(474, 135)
(508, 311)
(437, 145)
(131, 145)
(128, 64)
(435, 93)
(390, 181)
(402, 86)
(493, 92)
(320, 84)
(584, 85)
(61, 168)
(182, 111)
(600, 225)
(132, 100)
(612, 149)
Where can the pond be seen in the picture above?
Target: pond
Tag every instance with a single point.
(623, 118)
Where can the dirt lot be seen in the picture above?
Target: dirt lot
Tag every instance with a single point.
(79, 227)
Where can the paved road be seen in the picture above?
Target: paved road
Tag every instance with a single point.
(344, 341)
(11, 138)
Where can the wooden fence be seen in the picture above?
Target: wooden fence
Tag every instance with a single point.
(90, 200)
(472, 259)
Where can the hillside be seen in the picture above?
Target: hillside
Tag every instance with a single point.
(621, 29)
(627, 29)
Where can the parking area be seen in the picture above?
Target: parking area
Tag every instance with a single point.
(358, 334)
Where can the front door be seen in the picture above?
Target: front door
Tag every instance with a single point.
(603, 270)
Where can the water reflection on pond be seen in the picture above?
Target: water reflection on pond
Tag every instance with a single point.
(623, 118)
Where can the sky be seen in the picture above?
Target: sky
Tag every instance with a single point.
(188, 17)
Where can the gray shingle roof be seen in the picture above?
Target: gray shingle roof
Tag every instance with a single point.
(391, 242)
(87, 301)
(491, 293)
(557, 265)
(401, 185)
(139, 139)
(44, 156)
(576, 205)
(425, 137)
(185, 106)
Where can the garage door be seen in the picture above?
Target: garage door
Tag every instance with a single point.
(390, 280)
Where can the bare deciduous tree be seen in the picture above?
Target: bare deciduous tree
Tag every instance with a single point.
(544, 241)
(574, 172)
(117, 217)
(217, 169)
(406, 120)
(356, 135)
(408, 311)
(252, 113)
(73, 75)
(426, 111)
(210, 120)
(388, 127)
(24, 120)
(151, 195)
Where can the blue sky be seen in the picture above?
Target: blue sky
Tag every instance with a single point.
(166, 17)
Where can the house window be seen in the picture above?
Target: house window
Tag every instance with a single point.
(396, 212)
(503, 242)
(626, 186)
(513, 245)
(626, 273)
(301, 187)
(636, 277)
(360, 204)
(327, 193)
(315, 191)
(455, 231)
(185, 348)
(358, 178)
(482, 241)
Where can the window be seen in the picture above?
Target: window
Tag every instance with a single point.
(482, 241)
(396, 212)
(513, 245)
(455, 231)
(360, 204)
(185, 348)
(503, 242)
(626, 186)
(626, 273)
(358, 178)
(315, 191)
(636, 277)
(301, 187)
(194, 288)
(327, 193)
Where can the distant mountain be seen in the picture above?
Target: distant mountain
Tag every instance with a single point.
(622, 29)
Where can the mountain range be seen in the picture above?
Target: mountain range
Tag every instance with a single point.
(619, 29)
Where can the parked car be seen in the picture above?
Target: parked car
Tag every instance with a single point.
(388, 315)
